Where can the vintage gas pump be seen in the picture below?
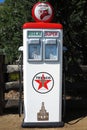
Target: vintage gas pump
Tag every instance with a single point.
(42, 69)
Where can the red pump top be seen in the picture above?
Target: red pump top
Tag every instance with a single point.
(42, 25)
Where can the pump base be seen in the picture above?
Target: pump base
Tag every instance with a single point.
(42, 125)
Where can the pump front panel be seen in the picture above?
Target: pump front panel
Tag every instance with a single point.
(42, 75)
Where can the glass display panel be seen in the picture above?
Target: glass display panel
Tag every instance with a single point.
(34, 52)
(51, 52)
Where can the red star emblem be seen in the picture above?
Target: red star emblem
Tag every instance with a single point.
(42, 82)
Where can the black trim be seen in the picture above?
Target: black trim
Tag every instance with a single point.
(42, 124)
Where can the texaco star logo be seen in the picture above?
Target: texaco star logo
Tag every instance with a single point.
(43, 82)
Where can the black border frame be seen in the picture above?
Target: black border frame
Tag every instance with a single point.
(43, 124)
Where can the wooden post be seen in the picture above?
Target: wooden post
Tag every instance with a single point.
(2, 61)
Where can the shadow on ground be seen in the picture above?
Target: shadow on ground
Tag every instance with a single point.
(75, 110)
(11, 110)
(76, 101)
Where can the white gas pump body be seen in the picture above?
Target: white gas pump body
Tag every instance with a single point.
(42, 61)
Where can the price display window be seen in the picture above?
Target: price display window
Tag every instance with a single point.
(51, 50)
(35, 50)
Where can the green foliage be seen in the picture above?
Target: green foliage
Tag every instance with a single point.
(12, 16)
(13, 77)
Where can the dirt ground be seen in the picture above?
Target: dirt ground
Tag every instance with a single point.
(13, 122)
(75, 120)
